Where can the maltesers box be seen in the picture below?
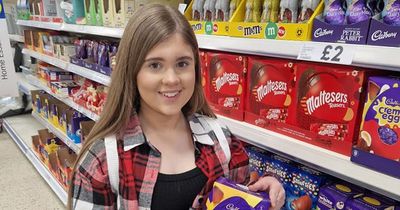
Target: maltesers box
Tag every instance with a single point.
(227, 82)
(270, 82)
(378, 144)
(204, 73)
(226, 194)
(326, 108)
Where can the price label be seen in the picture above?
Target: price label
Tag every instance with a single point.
(328, 53)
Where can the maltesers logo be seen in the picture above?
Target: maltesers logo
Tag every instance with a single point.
(226, 78)
(332, 99)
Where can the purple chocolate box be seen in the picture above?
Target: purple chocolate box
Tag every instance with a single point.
(356, 33)
(383, 34)
(369, 202)
(334, 196)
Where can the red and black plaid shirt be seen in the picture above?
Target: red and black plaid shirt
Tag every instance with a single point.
(139, 164)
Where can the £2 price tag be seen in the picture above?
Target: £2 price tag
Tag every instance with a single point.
(327, 53)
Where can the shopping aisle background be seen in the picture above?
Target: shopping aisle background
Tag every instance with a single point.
(22, 187)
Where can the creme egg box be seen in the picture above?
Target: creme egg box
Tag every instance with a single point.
(226, 194)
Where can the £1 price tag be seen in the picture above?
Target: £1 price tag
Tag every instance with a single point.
(327, 53)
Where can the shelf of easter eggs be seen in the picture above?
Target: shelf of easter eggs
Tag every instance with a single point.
(324, 160)
(68, 101)
(84, 29)
(60, 134)
(21, 128)
(378, 57)
(16, 38)
(84, 72)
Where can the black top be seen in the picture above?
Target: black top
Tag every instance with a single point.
(177, 191)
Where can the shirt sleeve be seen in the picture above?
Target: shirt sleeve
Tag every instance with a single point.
(91, 188)
(239, 163)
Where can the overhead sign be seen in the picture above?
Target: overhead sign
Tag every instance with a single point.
(8, 78)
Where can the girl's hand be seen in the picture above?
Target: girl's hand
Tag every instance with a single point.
(274, 189)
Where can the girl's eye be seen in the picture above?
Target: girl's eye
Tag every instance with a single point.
(182, 64)
(155, 66)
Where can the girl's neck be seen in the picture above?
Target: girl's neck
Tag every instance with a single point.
(159, 122)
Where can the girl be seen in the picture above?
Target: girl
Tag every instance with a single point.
(167, 154)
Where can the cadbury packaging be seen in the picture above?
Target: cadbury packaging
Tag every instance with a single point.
(378, 145)
(227, 80)
(269, 84)
(370, 202)
(334, 196)
(325, 108)
(226, 194)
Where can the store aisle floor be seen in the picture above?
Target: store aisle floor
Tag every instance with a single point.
(22, 187)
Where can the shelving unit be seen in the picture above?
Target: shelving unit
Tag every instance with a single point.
(16, 127)
(315, 157)
(332, 163)
(69, 142)
(16, 38)
(376, 57)
(23, 84)
(84, 72)
(64, 99)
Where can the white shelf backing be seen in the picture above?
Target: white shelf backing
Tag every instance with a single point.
(84, 29)
(84, 72)
(324, 160)
(28, 152)
(16, 38)
(70, 143)
(34, 81)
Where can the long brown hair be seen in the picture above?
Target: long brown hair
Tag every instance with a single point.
(149, 26)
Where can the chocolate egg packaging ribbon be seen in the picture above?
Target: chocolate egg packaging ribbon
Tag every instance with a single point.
(334, 13)
(357, 11)
(391, 12)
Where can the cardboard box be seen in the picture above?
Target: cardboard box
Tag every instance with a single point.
(65, 159)
(326, 106)
(28, 39)
(63, 88)
(370, 202)
(258, 161)
(227, 82)
(36, 146)
(378, 145)
(271, 30)
(270, 82)
(334, 196)
(86, 127)
(107, 7)
(123, 12)
(226, 194)
(74, 12)
(382, 34)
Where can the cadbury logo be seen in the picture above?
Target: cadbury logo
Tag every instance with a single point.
(252, 30)
(322, 32)
(325, 201)
(392, 102)
(333, 99)
(278, 87)
(231, 206)
(379, 35)
(231, 78)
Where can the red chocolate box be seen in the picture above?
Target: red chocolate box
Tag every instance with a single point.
(227, 80)
(204, 73)
(325, 110)
(269, 84)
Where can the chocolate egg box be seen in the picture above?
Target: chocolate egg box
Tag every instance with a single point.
(335, 195)
(378, 145)
(269, 84)
(226, 194)
(227, 82)
(370, 201)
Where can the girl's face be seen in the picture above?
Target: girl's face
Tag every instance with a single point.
(167, 78)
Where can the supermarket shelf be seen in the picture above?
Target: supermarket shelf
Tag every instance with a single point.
(34, 81)
(48, 59)
(23, 84)
(25, 69)
(324, 160)
(84, 29)
(43, 171)
(16, 38)
(378, 57)
(70, 143)
(84, 72)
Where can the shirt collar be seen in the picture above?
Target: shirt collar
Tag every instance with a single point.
(133, 134)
